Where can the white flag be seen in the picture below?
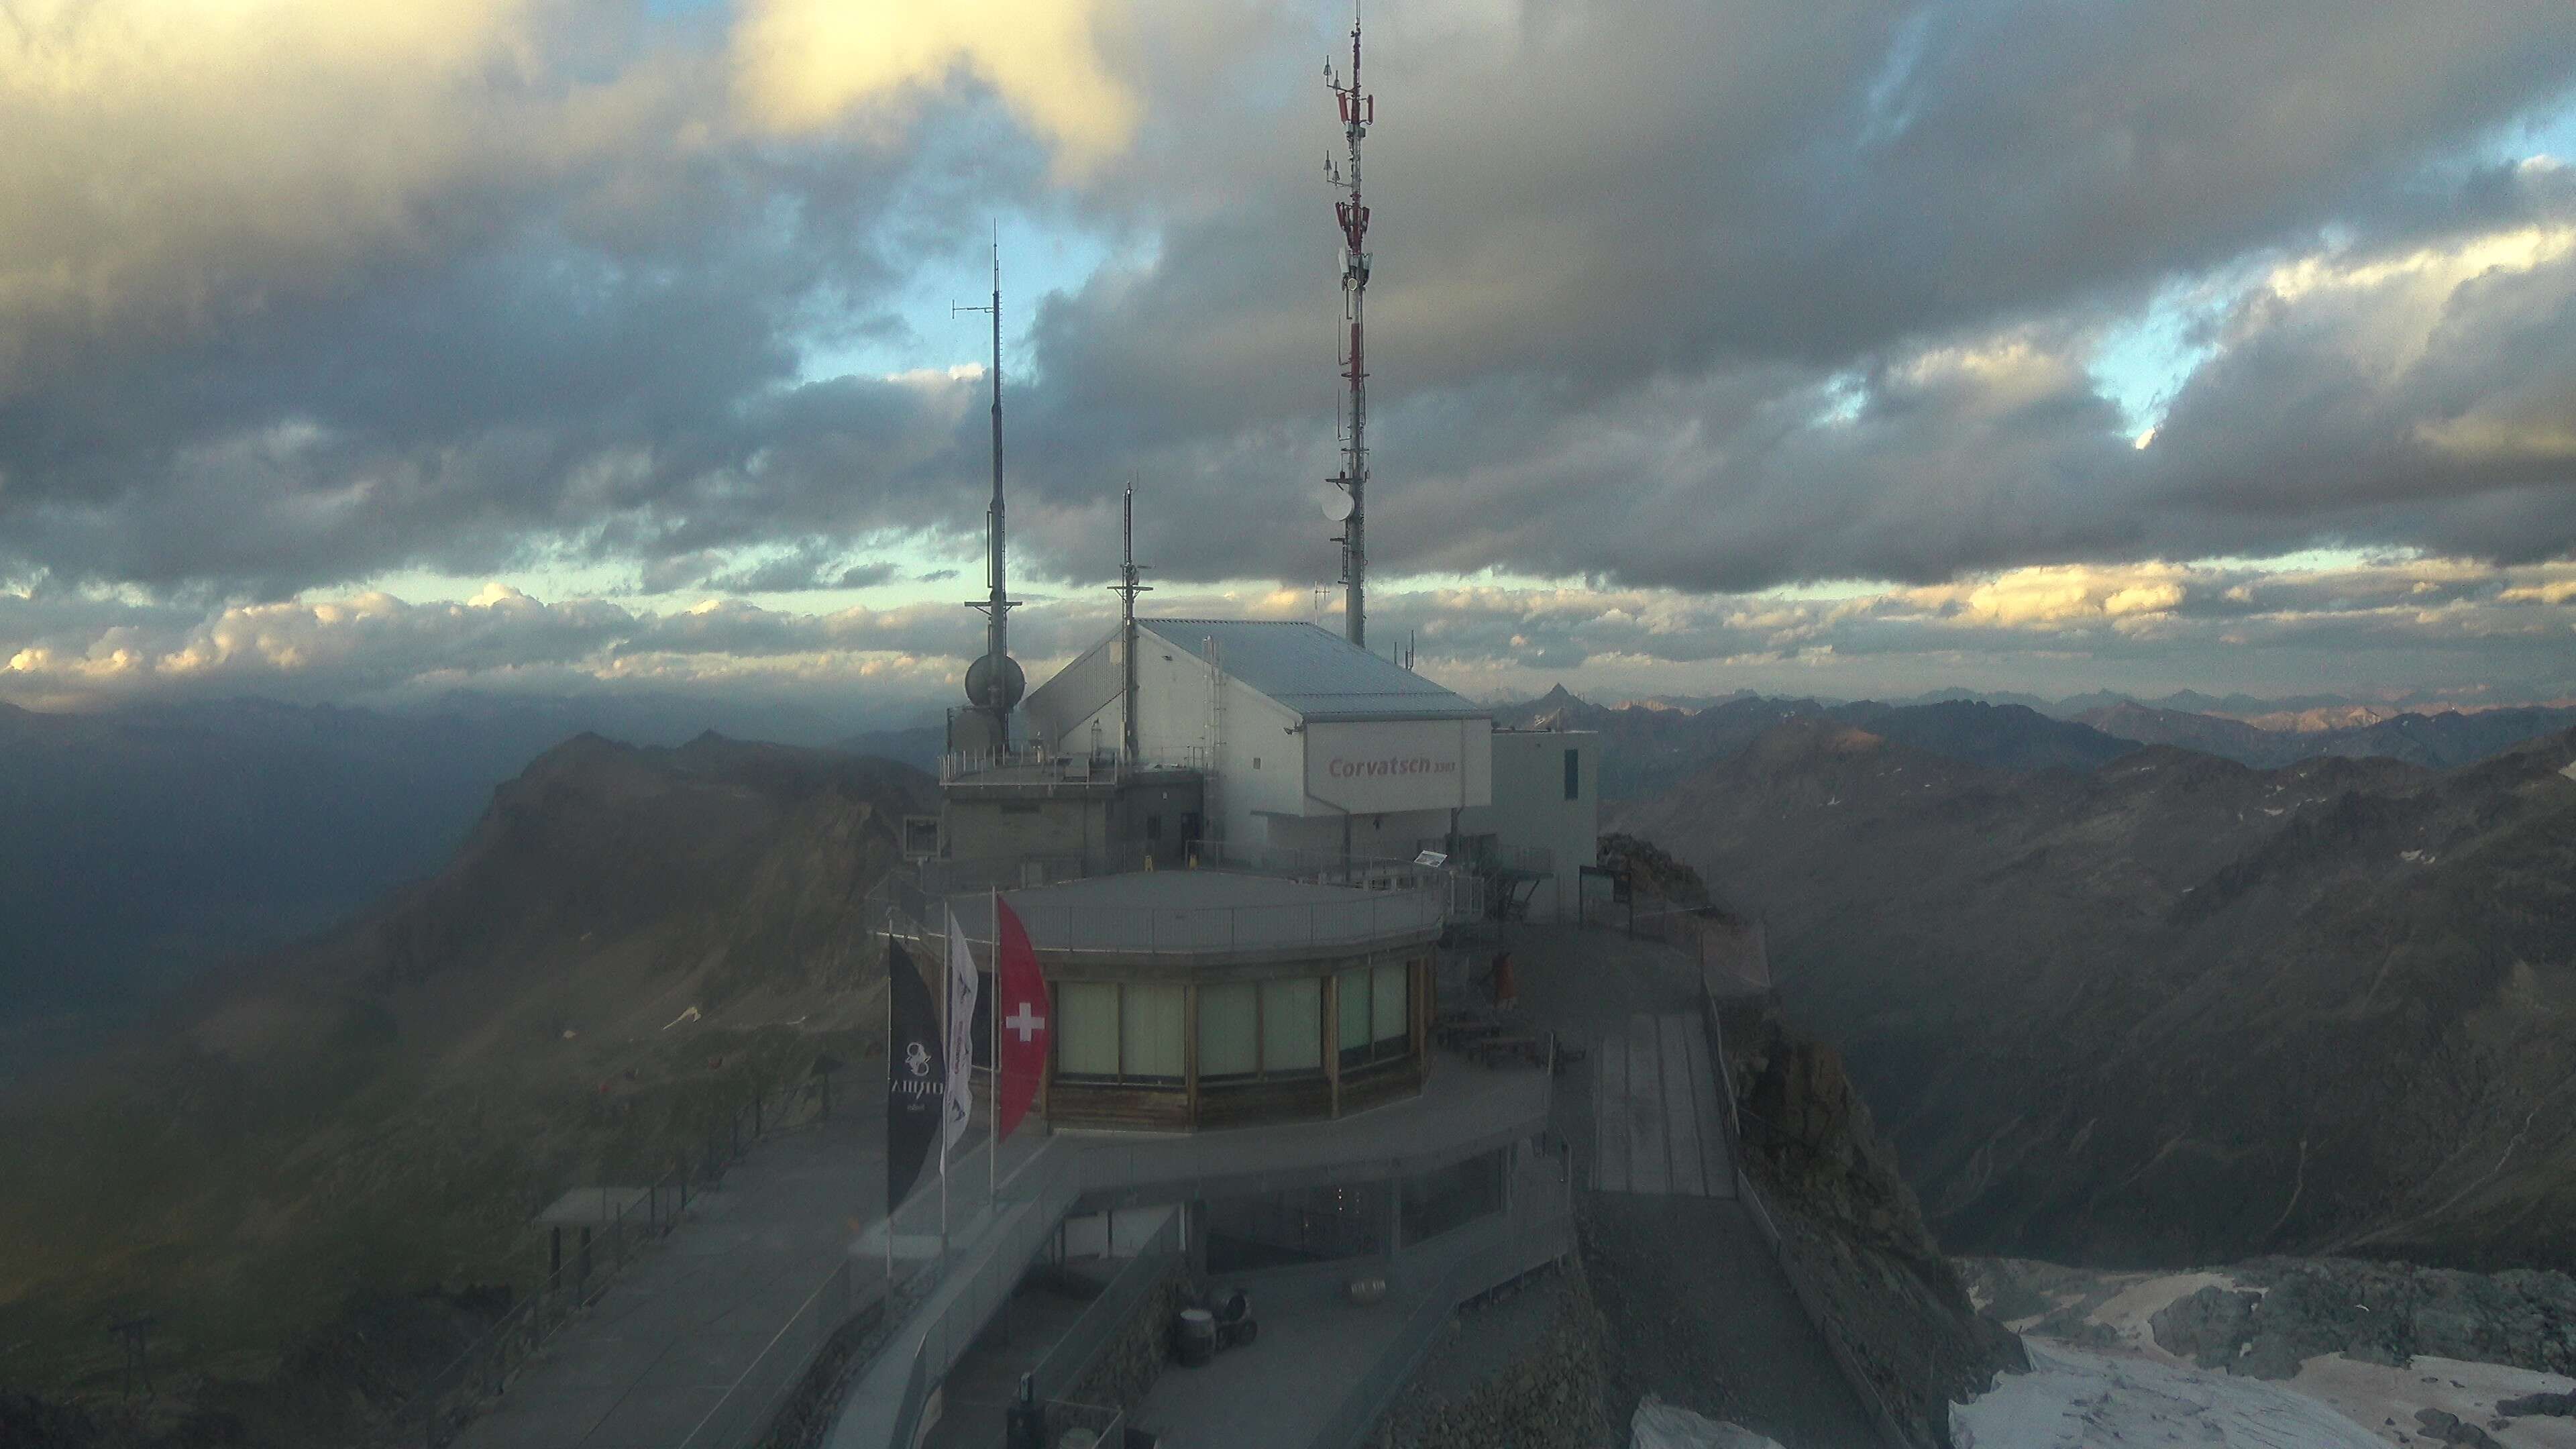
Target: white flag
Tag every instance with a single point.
(961, 1035)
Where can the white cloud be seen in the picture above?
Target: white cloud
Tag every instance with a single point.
(2059, 596)
(806, 65)
(182, 158)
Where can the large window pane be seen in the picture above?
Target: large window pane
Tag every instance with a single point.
(1228, 1042)
(1087, 1029)
(1353, 987)
(1152, 1035)
(1292, 1025)
(1386, 1008)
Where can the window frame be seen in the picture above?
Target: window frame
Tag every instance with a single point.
(1375, 1050)
(1122, 1077)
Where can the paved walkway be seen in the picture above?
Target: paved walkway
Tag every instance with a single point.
(643, 1366)
(1283, 1388)
(981, 1386)
(1699, 1312)
(1655, 1112)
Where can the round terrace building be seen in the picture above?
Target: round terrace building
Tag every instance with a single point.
(1215, 997)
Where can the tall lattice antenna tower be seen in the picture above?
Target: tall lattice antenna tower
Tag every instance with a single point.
(1130, 584)
(995, 682)
(1359, 112)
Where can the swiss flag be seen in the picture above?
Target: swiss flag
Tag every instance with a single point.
(1021, 1010)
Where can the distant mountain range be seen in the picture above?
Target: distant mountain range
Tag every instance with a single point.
(2437, 740)
(141, 845)
(2176, 1010)
(1654, 746)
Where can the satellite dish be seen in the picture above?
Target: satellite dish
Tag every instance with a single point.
(1335, 503)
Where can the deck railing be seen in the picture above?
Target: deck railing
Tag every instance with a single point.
(972, 768)
(1462, 889)
(553, 1291)
(1060, 930)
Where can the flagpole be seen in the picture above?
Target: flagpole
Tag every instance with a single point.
(947, 1008)
(993, 1123)
(889, 1064)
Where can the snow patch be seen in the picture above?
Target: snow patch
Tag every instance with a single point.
(2470, 1391)
(2072, 1399)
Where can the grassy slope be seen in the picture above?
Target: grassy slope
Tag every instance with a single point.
(384, 1110)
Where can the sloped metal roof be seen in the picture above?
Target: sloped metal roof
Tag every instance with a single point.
(1314, 672)
(1077, 692)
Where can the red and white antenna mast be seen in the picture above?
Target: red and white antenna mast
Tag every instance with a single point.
(1359, 111)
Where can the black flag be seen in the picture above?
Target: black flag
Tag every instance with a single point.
(916, 1077)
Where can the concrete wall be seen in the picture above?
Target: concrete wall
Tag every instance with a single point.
(1398, 835)
(990, 825)
(1105, 832)
(1181, 808)
(1530, 817)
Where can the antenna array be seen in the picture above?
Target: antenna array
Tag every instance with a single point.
(995, 682)
(1359, 112)
(1130, 584)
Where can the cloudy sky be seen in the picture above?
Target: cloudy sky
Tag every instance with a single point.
(367, 352)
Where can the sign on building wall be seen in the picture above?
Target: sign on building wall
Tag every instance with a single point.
(1380, 766)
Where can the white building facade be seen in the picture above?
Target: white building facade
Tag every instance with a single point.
(1309, 742)
(1544, 820)
(1312, 744)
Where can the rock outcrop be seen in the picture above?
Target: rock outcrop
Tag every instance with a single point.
(1852, 1227)
(1549, 1397)
(2293, 1309)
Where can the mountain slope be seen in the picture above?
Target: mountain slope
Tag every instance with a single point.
(2179, 1009)
(141, 846)
(2440, 741)
(2005, 736)
(627, 944)
(2229, 739)
(1649, 749)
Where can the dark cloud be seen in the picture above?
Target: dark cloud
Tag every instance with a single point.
(1667, 295)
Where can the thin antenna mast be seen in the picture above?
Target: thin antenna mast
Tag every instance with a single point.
(1127, 588)
(995, 682)
(1359, 112)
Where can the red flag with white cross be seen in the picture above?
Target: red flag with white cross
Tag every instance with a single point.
(1021, 1011)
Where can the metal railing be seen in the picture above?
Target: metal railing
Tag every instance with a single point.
(1107, 1423)
(1079, 1351)
(1045, 767)
(1325, 867)
(954, 876)
(1802, 1284)
(1537, 1230)
(449, 1396)
(1066, 929)
(953, 1300)
(1729, 950)
(961, 1305)
(763, 1388)
(1464, 888)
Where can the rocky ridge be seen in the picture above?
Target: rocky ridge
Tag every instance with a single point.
(2173, 1009)
(1853, 1228)
(2289, 1310)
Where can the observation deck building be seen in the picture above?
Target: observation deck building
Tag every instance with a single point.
(1241, 922)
